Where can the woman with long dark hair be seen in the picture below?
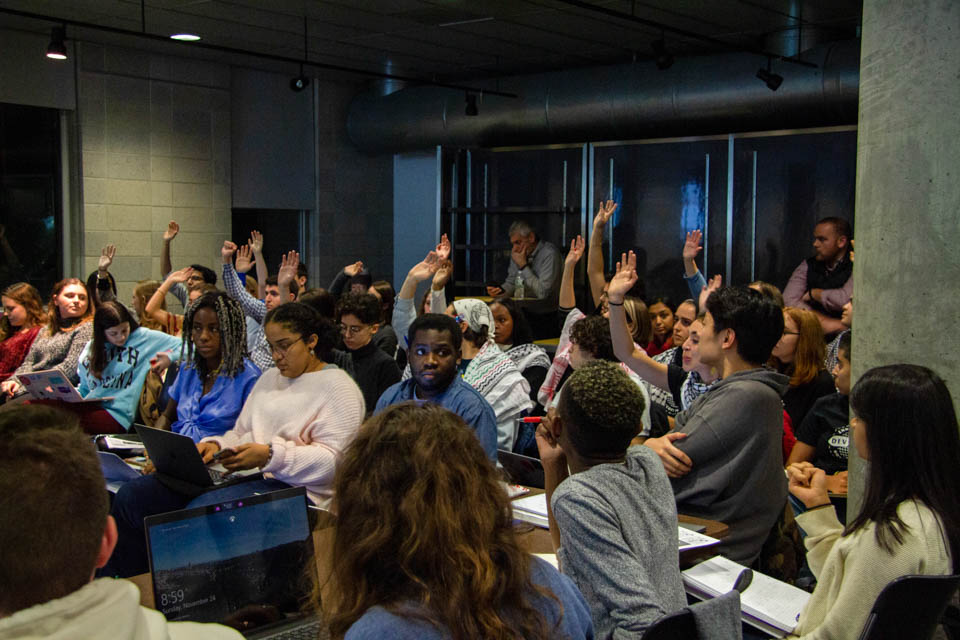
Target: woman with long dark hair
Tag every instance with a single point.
(513, 335)
(799, 354)
(23, 317)
(410, 561)
(904, 423)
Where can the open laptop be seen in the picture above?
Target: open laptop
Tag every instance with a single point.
(246, 563)
(521, 469)
(180, 466)
(116, 472)
(50, 384)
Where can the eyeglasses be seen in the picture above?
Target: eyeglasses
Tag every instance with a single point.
(281, 350)
(353, 329)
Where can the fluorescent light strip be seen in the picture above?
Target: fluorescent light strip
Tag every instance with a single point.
(185, 37)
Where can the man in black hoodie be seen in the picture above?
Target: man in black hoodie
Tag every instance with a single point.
(724, 457)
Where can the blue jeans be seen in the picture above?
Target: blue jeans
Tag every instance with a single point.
(147, 496)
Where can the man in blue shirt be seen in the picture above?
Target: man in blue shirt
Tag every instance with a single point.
(433, 353)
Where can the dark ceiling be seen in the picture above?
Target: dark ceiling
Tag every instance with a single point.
(457, 40)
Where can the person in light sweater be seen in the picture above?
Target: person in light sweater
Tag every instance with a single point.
(52, 540)
(904, 423)
(298, 418)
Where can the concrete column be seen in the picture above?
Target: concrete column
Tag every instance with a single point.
(907, 273)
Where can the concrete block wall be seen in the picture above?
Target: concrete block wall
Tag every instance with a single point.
(155, 146)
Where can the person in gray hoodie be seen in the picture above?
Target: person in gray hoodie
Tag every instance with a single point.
(613, 521)
(724, 457)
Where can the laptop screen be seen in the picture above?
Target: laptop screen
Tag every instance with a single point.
(240, 563)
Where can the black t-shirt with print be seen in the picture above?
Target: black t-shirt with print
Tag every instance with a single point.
(827, 427)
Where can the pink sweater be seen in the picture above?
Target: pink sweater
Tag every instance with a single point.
(309, 420)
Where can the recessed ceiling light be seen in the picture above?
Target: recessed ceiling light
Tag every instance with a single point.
(185, 37)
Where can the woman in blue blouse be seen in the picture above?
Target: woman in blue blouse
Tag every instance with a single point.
(216, 376)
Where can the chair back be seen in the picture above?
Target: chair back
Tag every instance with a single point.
(910, 607)
(679, 624)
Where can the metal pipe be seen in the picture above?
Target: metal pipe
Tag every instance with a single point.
(697, 96)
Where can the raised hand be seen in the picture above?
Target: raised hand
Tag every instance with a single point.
(604, 213)
(426, 268)
(353, 269)
(443, 249)
(226, 251)
(288, 268)
(576, 251)
(256, 242)
(245, 259)
(180, 275)
(106, 258)
(714, 284)
(442, 276)
(172, 230)
(624, 279)
(693, 244)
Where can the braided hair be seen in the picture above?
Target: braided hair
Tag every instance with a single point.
(233, 333)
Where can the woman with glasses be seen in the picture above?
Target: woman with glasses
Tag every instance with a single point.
(800, 354)
(374, 371)
(297, 420)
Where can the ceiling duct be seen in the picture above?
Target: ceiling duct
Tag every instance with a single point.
(696, 96)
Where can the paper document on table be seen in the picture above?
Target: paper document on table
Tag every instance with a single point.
(767, 599)
(532, 509)
(691, 539)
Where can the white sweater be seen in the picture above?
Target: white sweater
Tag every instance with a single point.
(309, 420)
(104, 609)
(852, 571)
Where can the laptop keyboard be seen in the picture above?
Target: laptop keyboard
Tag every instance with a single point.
(216, 476)
(309, 631)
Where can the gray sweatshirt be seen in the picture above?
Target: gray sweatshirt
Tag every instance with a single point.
(734, 436)
(61, 351)
(618, 543)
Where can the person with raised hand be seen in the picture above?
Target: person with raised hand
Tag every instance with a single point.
(101, 282)
(909, 520)
(666, 376)
(155, 308)
(692, 246)
(403, 310)
(724, 456)
(200, 275)
(279, 289)
(595, 271)
(353, 277)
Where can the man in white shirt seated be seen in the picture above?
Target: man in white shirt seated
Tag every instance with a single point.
(55, 532)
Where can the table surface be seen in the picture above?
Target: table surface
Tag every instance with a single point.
(532, 539)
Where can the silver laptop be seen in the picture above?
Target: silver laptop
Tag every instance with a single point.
(247, 563)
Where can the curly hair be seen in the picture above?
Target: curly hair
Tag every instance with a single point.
(405, 542)
(54, 321)
(233, 333)
(592, 335)
(107, 315)
(601, 409)
(27, 296)
(365, 307)
(303, 319)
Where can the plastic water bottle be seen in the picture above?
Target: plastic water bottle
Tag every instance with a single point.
(518, 287)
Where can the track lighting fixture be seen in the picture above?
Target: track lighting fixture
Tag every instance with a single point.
(662, 57)
(57, 49)
(472, 109)
(771, 79)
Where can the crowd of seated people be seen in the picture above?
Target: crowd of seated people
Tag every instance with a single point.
(389, 410)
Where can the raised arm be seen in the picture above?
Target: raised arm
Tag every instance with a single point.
(438, 294)
(287, 274)
(340, 281)
(256, 245)
(646, 367)
(595, 255)
(154, 307)
(404, 312)
(691, 248)
(104, 290)
(568, 298)
(252, 307)
(172, 230)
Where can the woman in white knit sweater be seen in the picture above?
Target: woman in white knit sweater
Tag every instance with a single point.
(903, 423)
(301, 414)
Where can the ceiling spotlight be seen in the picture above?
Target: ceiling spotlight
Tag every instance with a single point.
(185, 37)
(57, 49)
(771, 79)
(472, 109)
(663, 58)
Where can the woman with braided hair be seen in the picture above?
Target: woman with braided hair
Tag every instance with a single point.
(216, 376)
